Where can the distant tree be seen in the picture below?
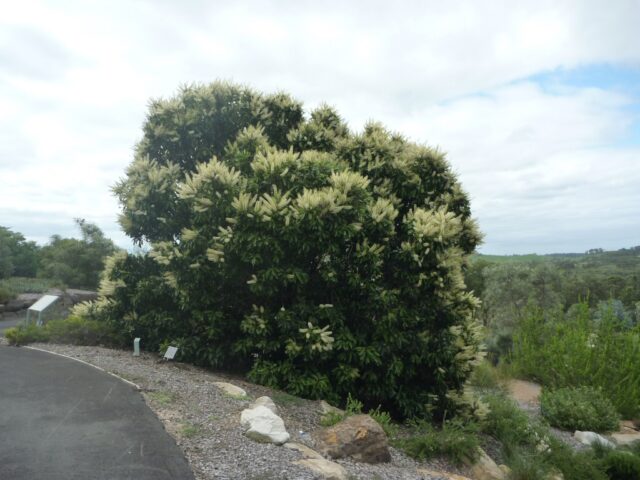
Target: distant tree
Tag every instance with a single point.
(77, 263)
(18, 257)
(509, 290)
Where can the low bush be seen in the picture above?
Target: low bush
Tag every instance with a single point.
(24, 334)
(73, 330)
(529, 448)
(510, 425)
(579, 408)
(5, 294)
(455, 441)
(621, 465)
(572, 351)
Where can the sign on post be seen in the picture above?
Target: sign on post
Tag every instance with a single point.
(43, 304)
(170, 353)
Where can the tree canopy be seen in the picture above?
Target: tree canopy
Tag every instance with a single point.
(323, 261)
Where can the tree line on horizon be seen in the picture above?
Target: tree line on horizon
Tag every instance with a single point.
(69, 262)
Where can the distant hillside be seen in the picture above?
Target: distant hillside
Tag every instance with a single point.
(625, 258)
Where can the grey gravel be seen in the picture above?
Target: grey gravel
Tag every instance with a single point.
(205, 422)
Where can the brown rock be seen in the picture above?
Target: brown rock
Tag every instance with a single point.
(625, 438)
(326, 469)
(425, 472)
(359, 437)
(485, 468)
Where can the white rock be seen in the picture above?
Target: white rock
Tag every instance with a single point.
(328, 469)
(303, 449)
(589, 438)
(263, 425)
(265, 402)
(231, 389)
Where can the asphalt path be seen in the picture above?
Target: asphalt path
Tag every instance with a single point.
(64, 420)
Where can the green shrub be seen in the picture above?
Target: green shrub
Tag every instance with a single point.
(321, 261)
(572, 351)
(73, 330)
(6, 295)
(530, 449)
(579, 408)
(621, 465)
(510, 425)
(454, 441)
(24, 334)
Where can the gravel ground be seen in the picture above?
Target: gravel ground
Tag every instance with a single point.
(205, 422)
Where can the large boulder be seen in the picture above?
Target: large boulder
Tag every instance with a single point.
(263, 425)
(359, 437)
(589, 438)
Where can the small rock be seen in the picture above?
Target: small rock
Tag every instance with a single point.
(328, 469)
(485, 468)
(626, 438)
(359, 437)
(231, 389)
(263, 425)
(437, 474)
(591, 437)
(265, 402)
(303, 449)
(325, 409)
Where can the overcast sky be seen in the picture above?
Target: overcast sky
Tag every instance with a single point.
(536, 102)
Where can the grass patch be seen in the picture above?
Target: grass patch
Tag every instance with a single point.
(18, 285)
(72, 330)
(283, 398)
(455, 441)
(162, 398)
(190, 430)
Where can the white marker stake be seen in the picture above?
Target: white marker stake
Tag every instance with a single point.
(136, 347)
(170, 353)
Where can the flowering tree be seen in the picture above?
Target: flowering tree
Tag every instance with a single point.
(322, 261)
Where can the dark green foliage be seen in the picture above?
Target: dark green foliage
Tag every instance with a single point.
(6, 294)
(457, 442)
(579, 408)
(74, 330)
(76, 263)
(572, 350)
(320, 261)
(18, 257)
(621, 465)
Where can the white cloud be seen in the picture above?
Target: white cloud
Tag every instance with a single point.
(76, 78)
